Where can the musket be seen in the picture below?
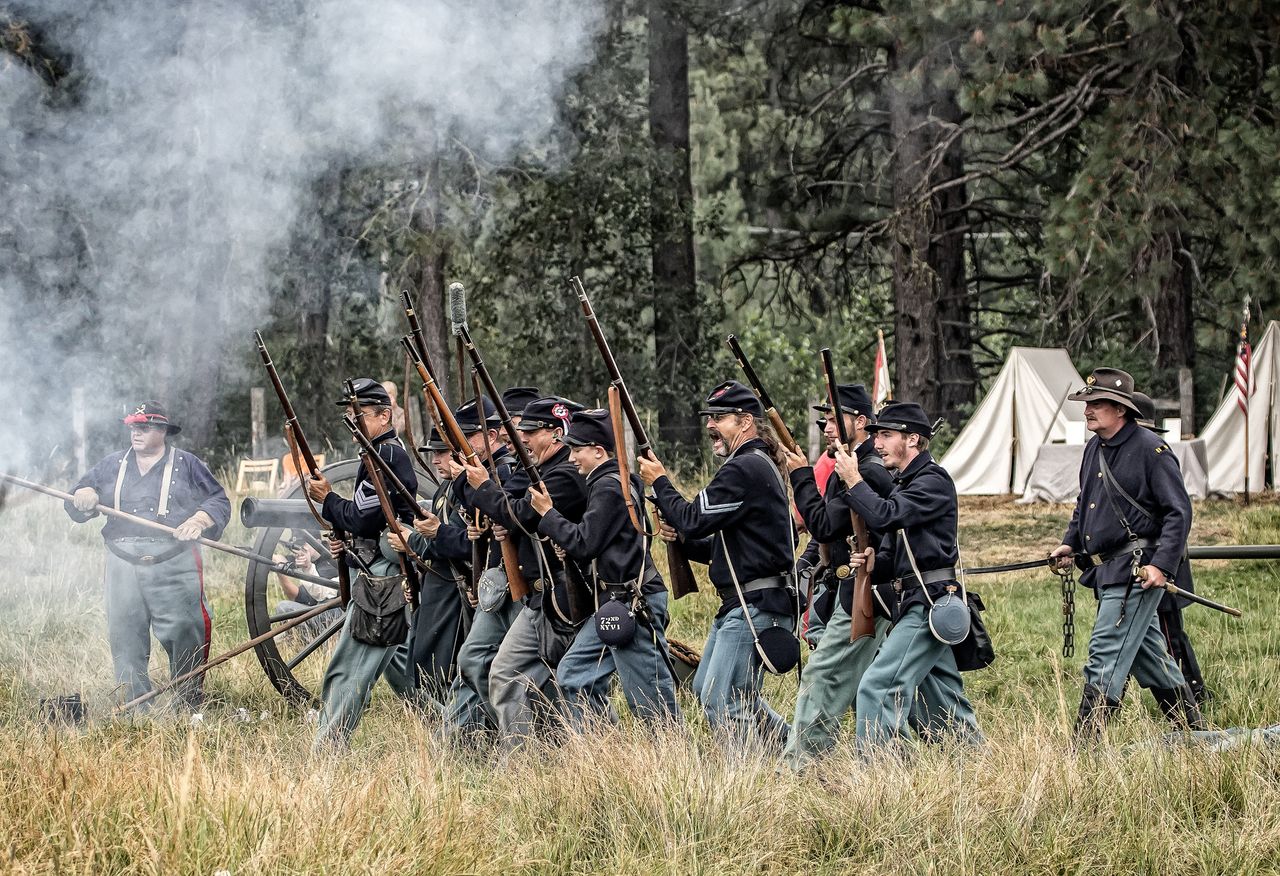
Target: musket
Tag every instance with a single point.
(452, 434)
(579, 593)
(107, 510)
(863, 622)
(298, 443)
(409, 440)
(480, 547)
(624, 467)
(770, 412)
(681, 573)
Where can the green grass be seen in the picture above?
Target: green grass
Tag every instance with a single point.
(157, 796)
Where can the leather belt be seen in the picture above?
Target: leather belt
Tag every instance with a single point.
(757, 584)
(1137, 544)
(933, 576)
(158, 557)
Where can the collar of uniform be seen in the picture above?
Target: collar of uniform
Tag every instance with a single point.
(865, 448)
(385, 436)
(608, 467)
(557, 458)
(1125, 433)
(747, 445)
(914, 468)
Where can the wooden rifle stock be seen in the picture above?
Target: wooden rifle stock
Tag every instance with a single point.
(770, 412)
(863, 621)
(580, 595)
(679, 571)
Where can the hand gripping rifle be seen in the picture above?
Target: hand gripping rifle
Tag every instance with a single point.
(863, 622)
(451, 433)
(301, 451)
(770, 412)
(678, 568)
(581, 599)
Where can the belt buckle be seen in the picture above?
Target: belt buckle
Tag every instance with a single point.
(1096, 559)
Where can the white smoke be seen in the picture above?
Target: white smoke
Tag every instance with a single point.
(164, 176)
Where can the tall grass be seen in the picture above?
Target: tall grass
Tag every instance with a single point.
(158, 795)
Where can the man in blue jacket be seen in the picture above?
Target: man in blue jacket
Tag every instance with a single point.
(918, 556)
(155, 583)
(1129, 527)
(740, 526)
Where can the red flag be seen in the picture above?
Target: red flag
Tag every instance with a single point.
(881, 390)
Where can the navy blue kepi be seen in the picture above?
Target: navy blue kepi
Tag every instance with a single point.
(590, 427)
(731, 397)
(902, 417)
(854, 399)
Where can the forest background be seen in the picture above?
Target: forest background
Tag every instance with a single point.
(965, 176)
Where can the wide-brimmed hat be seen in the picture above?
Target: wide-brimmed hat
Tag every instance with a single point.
(902, 417)
(152, 413)
(1107, 384)
(1147, 412)
(731, 397)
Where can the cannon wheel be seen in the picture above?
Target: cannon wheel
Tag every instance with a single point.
(295, 661)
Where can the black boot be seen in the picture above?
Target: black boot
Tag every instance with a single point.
(1179, 705)
(1095, 711)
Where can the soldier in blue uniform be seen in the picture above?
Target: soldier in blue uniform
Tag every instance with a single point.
(440, 540)
(607, 541)
(1129, 526)
(829, 686)
(520, 689)
(741, 526)
(469, 716)
(155, 583)
(918, 556)
(357, 663)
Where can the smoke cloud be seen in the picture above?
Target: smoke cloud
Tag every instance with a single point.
(144, 196)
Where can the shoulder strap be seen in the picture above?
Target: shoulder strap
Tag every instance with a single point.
(1110, 484)
(163, 509)
(124, 464)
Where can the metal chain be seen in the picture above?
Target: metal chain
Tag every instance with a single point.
(1068, 576)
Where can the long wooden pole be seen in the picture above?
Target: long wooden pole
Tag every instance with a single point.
(169, 530)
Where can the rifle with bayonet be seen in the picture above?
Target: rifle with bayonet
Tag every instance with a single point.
(302, 456)
(678, 569)
(581, 599)
(863, 622)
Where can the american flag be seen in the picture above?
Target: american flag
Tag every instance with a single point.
(1244, 359)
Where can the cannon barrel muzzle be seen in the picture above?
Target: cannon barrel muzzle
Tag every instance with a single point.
(256, 513)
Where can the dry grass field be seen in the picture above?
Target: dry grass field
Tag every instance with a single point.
(245, 796)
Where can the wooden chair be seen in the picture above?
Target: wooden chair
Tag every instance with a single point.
(257, 472)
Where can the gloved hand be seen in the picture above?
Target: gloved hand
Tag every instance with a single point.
(85, 498)
(193, 527)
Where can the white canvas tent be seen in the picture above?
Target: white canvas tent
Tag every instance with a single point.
(1224, 435)
(1023, 409)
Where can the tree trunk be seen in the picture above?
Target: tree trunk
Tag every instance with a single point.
(932, 329)
(1173, 325)
(676, 323)
(426, 276)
